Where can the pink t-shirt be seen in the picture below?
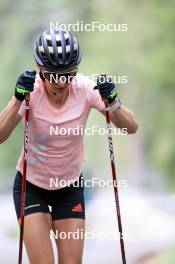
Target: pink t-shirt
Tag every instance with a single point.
(55, 152)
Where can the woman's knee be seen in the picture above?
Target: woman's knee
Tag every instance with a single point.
(37, 239)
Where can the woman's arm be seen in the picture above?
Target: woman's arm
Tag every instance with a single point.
(9, 119)
(120, 116)
(124, 118)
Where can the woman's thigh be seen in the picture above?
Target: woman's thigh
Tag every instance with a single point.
(37, 241)
(69, 243)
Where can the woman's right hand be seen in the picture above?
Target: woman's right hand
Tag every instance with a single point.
(25, 84)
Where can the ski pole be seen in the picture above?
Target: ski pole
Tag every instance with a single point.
(111, 151)
(23, 189)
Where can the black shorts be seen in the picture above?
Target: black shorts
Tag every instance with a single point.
(63, 203)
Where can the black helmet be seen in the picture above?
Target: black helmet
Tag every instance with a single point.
(57, 49)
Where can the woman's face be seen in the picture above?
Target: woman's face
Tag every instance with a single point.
(58, 82)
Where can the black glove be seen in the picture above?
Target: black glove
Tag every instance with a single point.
(25, 84)
(106, 89)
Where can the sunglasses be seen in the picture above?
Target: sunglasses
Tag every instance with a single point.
(55, 77)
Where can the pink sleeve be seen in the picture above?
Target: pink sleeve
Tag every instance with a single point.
(94, 97)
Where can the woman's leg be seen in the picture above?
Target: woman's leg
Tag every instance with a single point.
(70, 250)
(37, 241)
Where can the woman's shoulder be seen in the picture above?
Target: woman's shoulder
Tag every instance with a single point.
(38, 87)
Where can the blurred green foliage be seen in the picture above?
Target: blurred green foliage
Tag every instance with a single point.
(145, 54)
(166, 256)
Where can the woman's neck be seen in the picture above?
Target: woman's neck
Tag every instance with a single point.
(57, 98)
